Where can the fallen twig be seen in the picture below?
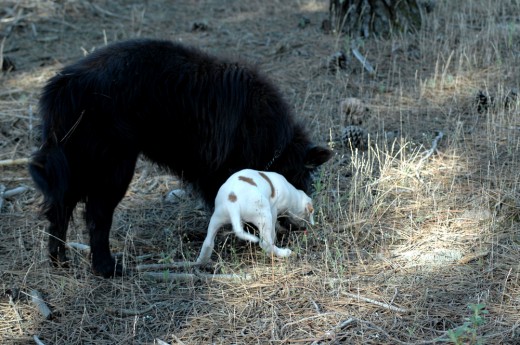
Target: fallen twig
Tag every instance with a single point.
(473, 256)
(150, 267)
(2, 190)
(366, 65)
(15, 191)
(9, 193)
(435, 142)
(2, 52)
(161, 342)
(78, 246)
(37, 340)
(129, 312)
(168, 276)
(381, 304)
(37, 298)
(428, 154)
(105, 12)
(331, 333)
(7, 162)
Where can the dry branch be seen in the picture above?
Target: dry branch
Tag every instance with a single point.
(37, 299)
(473, 256)
(2, 190)
(364, 62)
(9, 193)
(381, 304)
(428, 154)
(129, 312)
(173, 265)
(37, 340)
(168, 276)
(7, 162)
(78, 246)
(161, 342)
(15, 191)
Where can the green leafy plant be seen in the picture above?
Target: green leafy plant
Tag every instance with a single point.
(467, 333)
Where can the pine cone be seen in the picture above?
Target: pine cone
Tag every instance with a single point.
(355, 137)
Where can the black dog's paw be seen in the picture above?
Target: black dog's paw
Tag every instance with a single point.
(59, 259)
(109, 268)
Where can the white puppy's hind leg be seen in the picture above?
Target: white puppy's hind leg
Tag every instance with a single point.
(238, 228)
(209, 242)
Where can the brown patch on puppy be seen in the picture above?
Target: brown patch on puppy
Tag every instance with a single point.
(248, 180)
(310, 209)
(273, 192)
(232, 197)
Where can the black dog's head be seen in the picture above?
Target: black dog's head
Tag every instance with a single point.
(300, 159)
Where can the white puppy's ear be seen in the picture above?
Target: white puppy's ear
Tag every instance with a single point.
(310, 211)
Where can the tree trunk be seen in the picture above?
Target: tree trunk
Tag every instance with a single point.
(378, 17)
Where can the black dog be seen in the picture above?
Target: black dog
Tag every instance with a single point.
(201, 117)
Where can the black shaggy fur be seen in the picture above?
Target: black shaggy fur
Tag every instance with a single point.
(201, 117)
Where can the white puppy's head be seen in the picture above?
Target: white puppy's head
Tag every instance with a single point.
(305, 211)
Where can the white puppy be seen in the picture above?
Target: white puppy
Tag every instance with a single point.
(258, 198)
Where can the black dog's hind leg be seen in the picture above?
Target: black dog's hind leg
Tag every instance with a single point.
(103, 197)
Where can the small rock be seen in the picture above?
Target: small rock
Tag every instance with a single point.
(175, 195)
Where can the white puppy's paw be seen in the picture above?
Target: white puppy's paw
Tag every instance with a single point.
(282, 252)
(203, 259)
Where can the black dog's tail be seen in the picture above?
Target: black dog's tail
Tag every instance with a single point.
(49, 169)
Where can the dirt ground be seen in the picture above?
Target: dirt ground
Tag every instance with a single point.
(417, 238)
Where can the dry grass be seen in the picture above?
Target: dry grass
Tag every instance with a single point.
(403, 245)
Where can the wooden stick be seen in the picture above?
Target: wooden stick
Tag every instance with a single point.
(7, 162)
(15, 191)
(2, 190)
(366, 65)
(37, 340)
(129, 312)
(2, 52)
(473, 256)
(381, 304)
(173, 265)
(435, 142)
(428, 154)
(105, 12)
(37, 298)
(168, 276)
(78, 246)
(161, 342)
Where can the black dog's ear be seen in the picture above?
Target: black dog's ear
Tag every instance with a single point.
(316, 156)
